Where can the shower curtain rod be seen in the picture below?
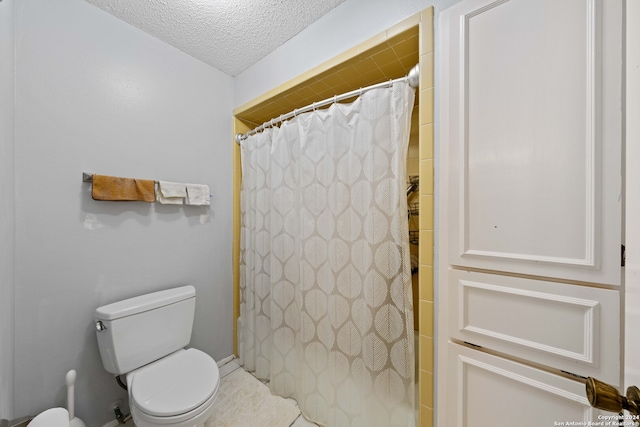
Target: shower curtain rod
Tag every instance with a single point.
(413, 78)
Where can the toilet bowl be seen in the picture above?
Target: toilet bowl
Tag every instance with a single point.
(178, 390)
(54, 417)
(144, 337)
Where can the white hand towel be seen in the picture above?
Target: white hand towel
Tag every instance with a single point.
(170, 193)
(198, 194)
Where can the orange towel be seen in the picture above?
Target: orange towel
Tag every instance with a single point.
(122, 189)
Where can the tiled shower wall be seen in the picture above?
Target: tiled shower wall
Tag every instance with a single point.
(425, 293)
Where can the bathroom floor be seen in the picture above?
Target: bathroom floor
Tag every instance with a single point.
(231, 366)
(301, 421)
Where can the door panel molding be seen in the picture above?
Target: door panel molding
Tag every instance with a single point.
(490, 390)
(589, 255)
(493, 200)
(554, 324)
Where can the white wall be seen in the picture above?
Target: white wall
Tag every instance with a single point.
(7, 230)
(95, 94)
(349, 24)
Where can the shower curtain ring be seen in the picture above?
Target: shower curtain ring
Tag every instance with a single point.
(335, 99)
(360, 92)
(314, 106)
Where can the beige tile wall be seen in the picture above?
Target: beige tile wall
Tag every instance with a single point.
(426, 335)
(388, 55)
(413, 169)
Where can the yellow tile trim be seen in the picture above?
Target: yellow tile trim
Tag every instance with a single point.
(365, 46)
(426, 416)
(426, 38)
(426, 353)
(427, 14)
(426, 106)
(238, 127)
(426, 212)
(426, 361)
(405, 25)
(426, 247)
(426, 141)
(426, 177)
(426, 71)
(426, 321)
(426, 282)
(426, 389)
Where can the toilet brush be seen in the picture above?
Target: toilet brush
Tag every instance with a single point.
(70, 379)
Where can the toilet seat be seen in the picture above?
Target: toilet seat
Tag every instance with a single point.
(174, 388)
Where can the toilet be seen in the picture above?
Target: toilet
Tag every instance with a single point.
(144, 338)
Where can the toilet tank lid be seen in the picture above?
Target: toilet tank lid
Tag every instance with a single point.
(145, 302)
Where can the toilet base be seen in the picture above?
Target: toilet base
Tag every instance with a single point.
(144, 420)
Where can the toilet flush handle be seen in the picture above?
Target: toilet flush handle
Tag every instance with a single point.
(100, 326)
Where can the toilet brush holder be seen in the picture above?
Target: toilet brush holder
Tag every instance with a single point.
(70, 379)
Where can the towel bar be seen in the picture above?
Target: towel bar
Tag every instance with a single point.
(88, 177)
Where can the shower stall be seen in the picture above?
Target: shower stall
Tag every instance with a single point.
(403, 41)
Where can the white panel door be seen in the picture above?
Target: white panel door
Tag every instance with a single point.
(530, 154)
(493, 391)
(534, 122)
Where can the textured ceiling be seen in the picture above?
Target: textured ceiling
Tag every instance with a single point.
(230, 35)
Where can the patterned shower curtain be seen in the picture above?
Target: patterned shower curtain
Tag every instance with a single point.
(326, 302)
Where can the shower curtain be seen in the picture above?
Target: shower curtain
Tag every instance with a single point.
(326, 303)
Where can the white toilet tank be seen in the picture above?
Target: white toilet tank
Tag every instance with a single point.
(136, 331)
